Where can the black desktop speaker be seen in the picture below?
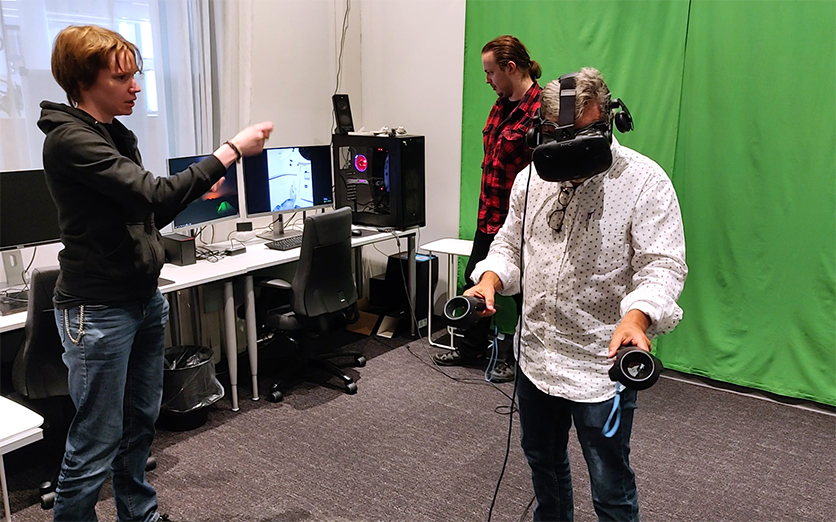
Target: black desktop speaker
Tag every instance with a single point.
(381, 178)
(179, 249)
(342, 113)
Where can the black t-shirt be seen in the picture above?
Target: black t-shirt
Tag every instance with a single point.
(508, 106)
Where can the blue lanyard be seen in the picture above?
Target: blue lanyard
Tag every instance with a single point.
(494, 355)
(611, 426)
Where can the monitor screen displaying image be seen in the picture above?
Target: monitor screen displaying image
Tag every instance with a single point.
(219, 203)
(288, 179)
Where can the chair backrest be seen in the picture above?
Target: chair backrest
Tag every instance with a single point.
(38, 371)
(324, 283)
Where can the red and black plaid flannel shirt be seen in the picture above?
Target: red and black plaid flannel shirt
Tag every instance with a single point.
(505, 155)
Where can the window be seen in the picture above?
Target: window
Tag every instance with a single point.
(27, 31)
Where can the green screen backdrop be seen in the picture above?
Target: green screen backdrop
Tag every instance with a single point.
(735, 100)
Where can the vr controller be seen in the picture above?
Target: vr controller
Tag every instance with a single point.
(635, 368)
(463, 311)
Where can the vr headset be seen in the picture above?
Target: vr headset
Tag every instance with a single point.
(563, 152)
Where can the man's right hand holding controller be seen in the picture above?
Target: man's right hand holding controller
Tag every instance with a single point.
(486, 289)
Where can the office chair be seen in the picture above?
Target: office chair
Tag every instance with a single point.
(322, 297)
(39, 376)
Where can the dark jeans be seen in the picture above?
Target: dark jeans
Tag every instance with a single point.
(544, 424)
(475, 340)
(116, 382)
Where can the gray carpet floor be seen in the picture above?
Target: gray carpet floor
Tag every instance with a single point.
(415, 444)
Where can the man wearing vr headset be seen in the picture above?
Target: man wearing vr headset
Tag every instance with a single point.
(512, 74)
(594, 239)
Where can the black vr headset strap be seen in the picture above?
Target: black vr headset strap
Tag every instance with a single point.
(566, 117)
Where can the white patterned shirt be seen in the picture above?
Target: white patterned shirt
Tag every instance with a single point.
(621, 246)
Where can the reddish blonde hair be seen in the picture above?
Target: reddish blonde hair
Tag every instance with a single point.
(80, 52)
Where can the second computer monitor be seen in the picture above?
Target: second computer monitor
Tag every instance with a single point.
(219, 203)
(288, 179)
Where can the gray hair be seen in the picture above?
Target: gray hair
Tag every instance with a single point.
(590, 88)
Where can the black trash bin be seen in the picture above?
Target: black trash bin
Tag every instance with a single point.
(189, 386)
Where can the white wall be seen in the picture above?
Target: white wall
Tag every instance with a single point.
(402, 65)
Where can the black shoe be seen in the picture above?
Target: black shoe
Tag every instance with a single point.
(503, 372)
(455, 358)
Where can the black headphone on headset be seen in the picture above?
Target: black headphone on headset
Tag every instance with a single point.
(570, 153)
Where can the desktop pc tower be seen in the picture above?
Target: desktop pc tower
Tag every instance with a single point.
(381, 178)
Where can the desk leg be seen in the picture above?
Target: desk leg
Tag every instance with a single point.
(6, 507)
(411, 282)
(252, 339)
(231, 342)
(174, 318)
(358, 270)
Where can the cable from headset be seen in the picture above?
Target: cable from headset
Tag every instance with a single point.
(518, 351)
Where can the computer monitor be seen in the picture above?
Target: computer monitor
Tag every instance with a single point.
(219, 203)
(28, 217)
(287, 179)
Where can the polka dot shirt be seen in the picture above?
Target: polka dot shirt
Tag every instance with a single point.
(618, 246)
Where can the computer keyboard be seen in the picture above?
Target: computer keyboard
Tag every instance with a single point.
(285, 243)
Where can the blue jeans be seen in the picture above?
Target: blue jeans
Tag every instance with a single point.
(544, 423)
(116, 381)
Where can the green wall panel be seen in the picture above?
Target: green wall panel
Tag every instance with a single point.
(637, 45)
(754, 171)
(735, 99)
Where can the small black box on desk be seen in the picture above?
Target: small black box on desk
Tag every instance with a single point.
(179, 249)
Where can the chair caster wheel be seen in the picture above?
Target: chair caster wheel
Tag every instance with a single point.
(351, 388)
(151, 464)
(360, 361)
(275, 396)
(45, 488)
(48, 500)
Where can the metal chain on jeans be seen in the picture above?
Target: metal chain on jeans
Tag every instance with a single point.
(80, 324)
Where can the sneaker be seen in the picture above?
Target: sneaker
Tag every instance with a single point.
(454, 358)
(503, 372)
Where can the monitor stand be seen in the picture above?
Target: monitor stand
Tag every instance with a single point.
(278, 231)
(13, 267)
(13, 298)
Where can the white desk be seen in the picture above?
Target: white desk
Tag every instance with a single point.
(453, 248)
(256, 257)
(20, 426)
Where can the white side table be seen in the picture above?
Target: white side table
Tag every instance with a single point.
(20, 426)
(453, 248)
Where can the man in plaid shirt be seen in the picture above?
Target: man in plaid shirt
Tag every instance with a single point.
(512, 73)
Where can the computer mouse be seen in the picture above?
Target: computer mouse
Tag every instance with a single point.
(356, 232)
